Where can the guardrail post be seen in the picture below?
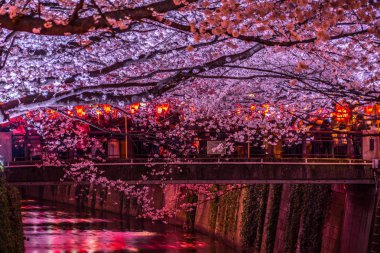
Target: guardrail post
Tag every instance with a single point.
(370, 144)
(126, 136)
(304, 150)
(375, 164)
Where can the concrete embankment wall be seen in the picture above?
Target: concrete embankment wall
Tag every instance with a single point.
(11, 232)
(257, 218)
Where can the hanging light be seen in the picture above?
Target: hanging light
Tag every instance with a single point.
(162, 108)
(377, 109)
(342, 113)
(52, 114)
(133, 108)
(238, 109)
(266, 109)
(368, 109)
(107, 108)
(165, 107)
(80, 110)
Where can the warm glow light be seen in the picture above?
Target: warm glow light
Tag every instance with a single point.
(80, 110)
(107, 108)
(377, 109)
(266, 109)
(253, 107)
(134, 107)
(342, 113)
(238, 109)
(163, 108)
(52, 114)
(368, 109)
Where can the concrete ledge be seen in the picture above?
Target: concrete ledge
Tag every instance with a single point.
(157, 182)
(211, 173)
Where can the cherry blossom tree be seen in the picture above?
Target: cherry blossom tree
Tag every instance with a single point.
(75, 52)
(254, 69)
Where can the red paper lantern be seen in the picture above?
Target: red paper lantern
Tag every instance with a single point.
(377, 109)
(163, 108)
(52, 114)
(133, 108)
(238, 109)
(107, 108)
(266, 108)
(343, 113)
(368, 109)
(80, 110)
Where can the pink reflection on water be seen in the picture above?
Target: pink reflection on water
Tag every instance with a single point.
(93, 241)
(38, 221)
(58, 231)
(88, 241)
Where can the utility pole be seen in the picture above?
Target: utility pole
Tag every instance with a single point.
(126, 135)
(249, 150)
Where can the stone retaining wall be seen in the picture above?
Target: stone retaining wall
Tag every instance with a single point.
(258, 218)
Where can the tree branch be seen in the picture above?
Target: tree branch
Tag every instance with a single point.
(96, 94)
(84, 25)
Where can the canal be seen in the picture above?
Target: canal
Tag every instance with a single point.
(56, 228)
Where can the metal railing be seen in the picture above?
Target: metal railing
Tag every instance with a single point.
(210, 161)
(320, 144)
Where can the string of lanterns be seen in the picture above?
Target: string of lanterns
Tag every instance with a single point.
(342, 112)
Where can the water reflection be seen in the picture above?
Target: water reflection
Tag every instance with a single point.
(56, 228)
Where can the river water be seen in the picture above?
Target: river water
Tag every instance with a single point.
(56, 228)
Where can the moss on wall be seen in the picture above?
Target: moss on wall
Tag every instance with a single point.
(224, 212)
(315, 205)
(293, 218)
(190, 214)
(228, 213)
(253, 216)
(11, 231)
(263, 200)
(249, 223)
(214, 207)
(308, 207)
(273, 218)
